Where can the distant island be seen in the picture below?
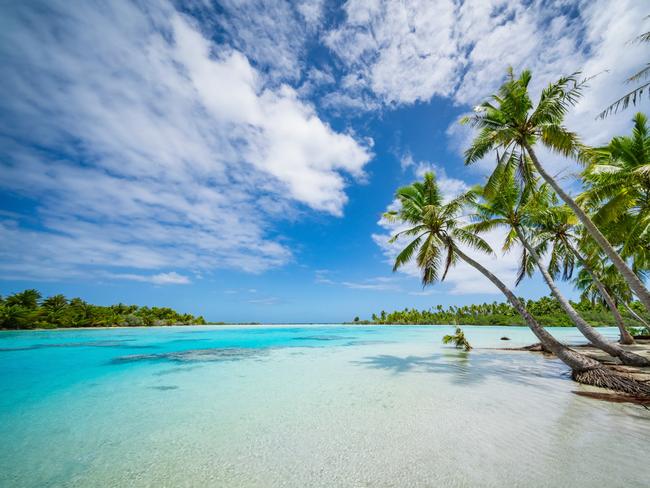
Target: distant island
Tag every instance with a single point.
(28, 310)
(547, 311)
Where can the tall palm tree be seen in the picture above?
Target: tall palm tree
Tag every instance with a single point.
(619, 191)
(510, 207)
(557, 226)
(436, 246)
(511, 123)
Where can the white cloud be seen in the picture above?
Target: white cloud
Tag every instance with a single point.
(171, 278)
(379, 283)
(406, 161)
(311, 11)
(187, 155)
(271, 33)
(404, 51)
(449, 187)
(413, 50)
(374, 284)
(265, 301)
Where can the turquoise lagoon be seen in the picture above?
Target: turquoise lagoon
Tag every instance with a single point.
(304, 406)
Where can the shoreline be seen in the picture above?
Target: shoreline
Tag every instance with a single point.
(279, 325)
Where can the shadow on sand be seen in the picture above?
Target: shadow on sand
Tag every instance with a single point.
(471, 368)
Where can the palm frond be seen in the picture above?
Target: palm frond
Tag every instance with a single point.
(407, 253)
(623, 102)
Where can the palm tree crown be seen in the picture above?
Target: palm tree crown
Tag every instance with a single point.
(509, 121)
(434, 226)
(619, 191)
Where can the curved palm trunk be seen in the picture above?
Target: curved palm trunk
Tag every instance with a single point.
(576, 361)
(630, 277)
(587, 330)
(583, 369)
(625, 336)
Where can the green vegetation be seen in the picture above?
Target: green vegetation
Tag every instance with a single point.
(28, 310)
(603, 234)
(458, 339)
(546, 310)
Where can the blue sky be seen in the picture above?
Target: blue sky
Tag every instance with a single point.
(233, 159)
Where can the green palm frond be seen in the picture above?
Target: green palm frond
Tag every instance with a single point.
(526, 267)
(428, 259)
(472, 240)
(560, 139)
(435, 225)
(407, 253)
(622, 103)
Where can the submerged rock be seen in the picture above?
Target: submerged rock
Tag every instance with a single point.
(194, 355)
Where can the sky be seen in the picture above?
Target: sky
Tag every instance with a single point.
(234, 158)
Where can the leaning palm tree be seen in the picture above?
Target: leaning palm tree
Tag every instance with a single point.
(511, 123)
(619, 191)
(437, 239)
(510, 207)
(557, 226)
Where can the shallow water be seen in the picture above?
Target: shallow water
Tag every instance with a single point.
(304, 406)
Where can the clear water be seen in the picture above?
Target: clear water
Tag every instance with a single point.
(304, 406)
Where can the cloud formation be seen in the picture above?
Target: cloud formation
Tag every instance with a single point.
(145, 145)
(410, 51)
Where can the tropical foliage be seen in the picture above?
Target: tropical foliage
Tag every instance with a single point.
(546, 310)
(618, 192)
(458, 339)
(510, 124)
(28, 310)
(599, 239)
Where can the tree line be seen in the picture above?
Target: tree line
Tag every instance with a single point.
(547, 310)
(599, 238)
(29, 310)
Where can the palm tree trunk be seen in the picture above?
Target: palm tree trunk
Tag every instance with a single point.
(633, 313)
(576, 361)
(587, 330)
(625, 336)
(584, 369)
(630, 277)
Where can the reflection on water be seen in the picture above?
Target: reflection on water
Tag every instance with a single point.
(304, 406)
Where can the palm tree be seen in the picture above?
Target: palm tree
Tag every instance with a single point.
(619, 191)
(510, 207)
(14, 316)
(511, 123)
(557, 226)
(27, 299)
(436, 246)
(458, 339)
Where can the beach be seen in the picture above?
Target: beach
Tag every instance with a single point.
(304, 406)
